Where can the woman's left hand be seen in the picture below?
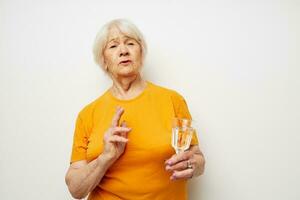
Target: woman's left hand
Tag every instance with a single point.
(187, 164)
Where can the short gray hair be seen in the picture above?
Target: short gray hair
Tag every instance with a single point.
(127, 28)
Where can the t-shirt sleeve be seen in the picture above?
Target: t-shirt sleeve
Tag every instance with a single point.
(182, 111)
(80, 141)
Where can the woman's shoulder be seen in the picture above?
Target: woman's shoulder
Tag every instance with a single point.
(89, 108)
(166, 91)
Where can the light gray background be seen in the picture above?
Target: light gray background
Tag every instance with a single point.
(235, 62)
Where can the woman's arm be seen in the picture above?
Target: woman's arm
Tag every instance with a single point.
(83, 177)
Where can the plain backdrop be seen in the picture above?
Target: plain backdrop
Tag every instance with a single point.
(235, 62)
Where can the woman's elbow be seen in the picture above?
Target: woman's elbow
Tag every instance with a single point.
(78, 195)
(73, 189)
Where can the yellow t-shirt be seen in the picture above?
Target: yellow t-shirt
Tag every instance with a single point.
(139, 174)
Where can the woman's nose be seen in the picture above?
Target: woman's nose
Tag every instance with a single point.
(123, 50)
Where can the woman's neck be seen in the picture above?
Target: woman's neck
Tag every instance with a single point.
(128, 87)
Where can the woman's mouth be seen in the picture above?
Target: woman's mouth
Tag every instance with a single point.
(125, 62)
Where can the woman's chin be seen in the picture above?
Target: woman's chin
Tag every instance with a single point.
(127, 74)
(127, 71)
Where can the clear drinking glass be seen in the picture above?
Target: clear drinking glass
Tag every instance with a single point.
(182, 133)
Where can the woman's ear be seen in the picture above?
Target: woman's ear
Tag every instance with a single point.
(106, 67)
(104, 64)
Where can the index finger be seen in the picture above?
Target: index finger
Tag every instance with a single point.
(117, 116)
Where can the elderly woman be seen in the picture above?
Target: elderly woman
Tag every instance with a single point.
(121, 147)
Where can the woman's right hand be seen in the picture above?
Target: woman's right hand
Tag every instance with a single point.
(115, 138)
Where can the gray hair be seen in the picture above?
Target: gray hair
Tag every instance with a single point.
(127, 28)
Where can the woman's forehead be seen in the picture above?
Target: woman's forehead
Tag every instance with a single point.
(116, 34)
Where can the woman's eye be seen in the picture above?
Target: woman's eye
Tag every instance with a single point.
(112, 46)
(130, 43)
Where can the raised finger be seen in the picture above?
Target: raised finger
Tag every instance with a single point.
(117, 116)
(124, 134)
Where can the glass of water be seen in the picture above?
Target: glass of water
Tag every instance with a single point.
(182, 133)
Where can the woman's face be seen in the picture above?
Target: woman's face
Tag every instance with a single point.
(122, 54)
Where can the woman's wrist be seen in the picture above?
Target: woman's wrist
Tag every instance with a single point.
(106, 160)
(200, 164)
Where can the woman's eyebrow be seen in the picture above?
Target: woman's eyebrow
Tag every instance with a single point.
(116, 39)
(128, 38)
(112, 40)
